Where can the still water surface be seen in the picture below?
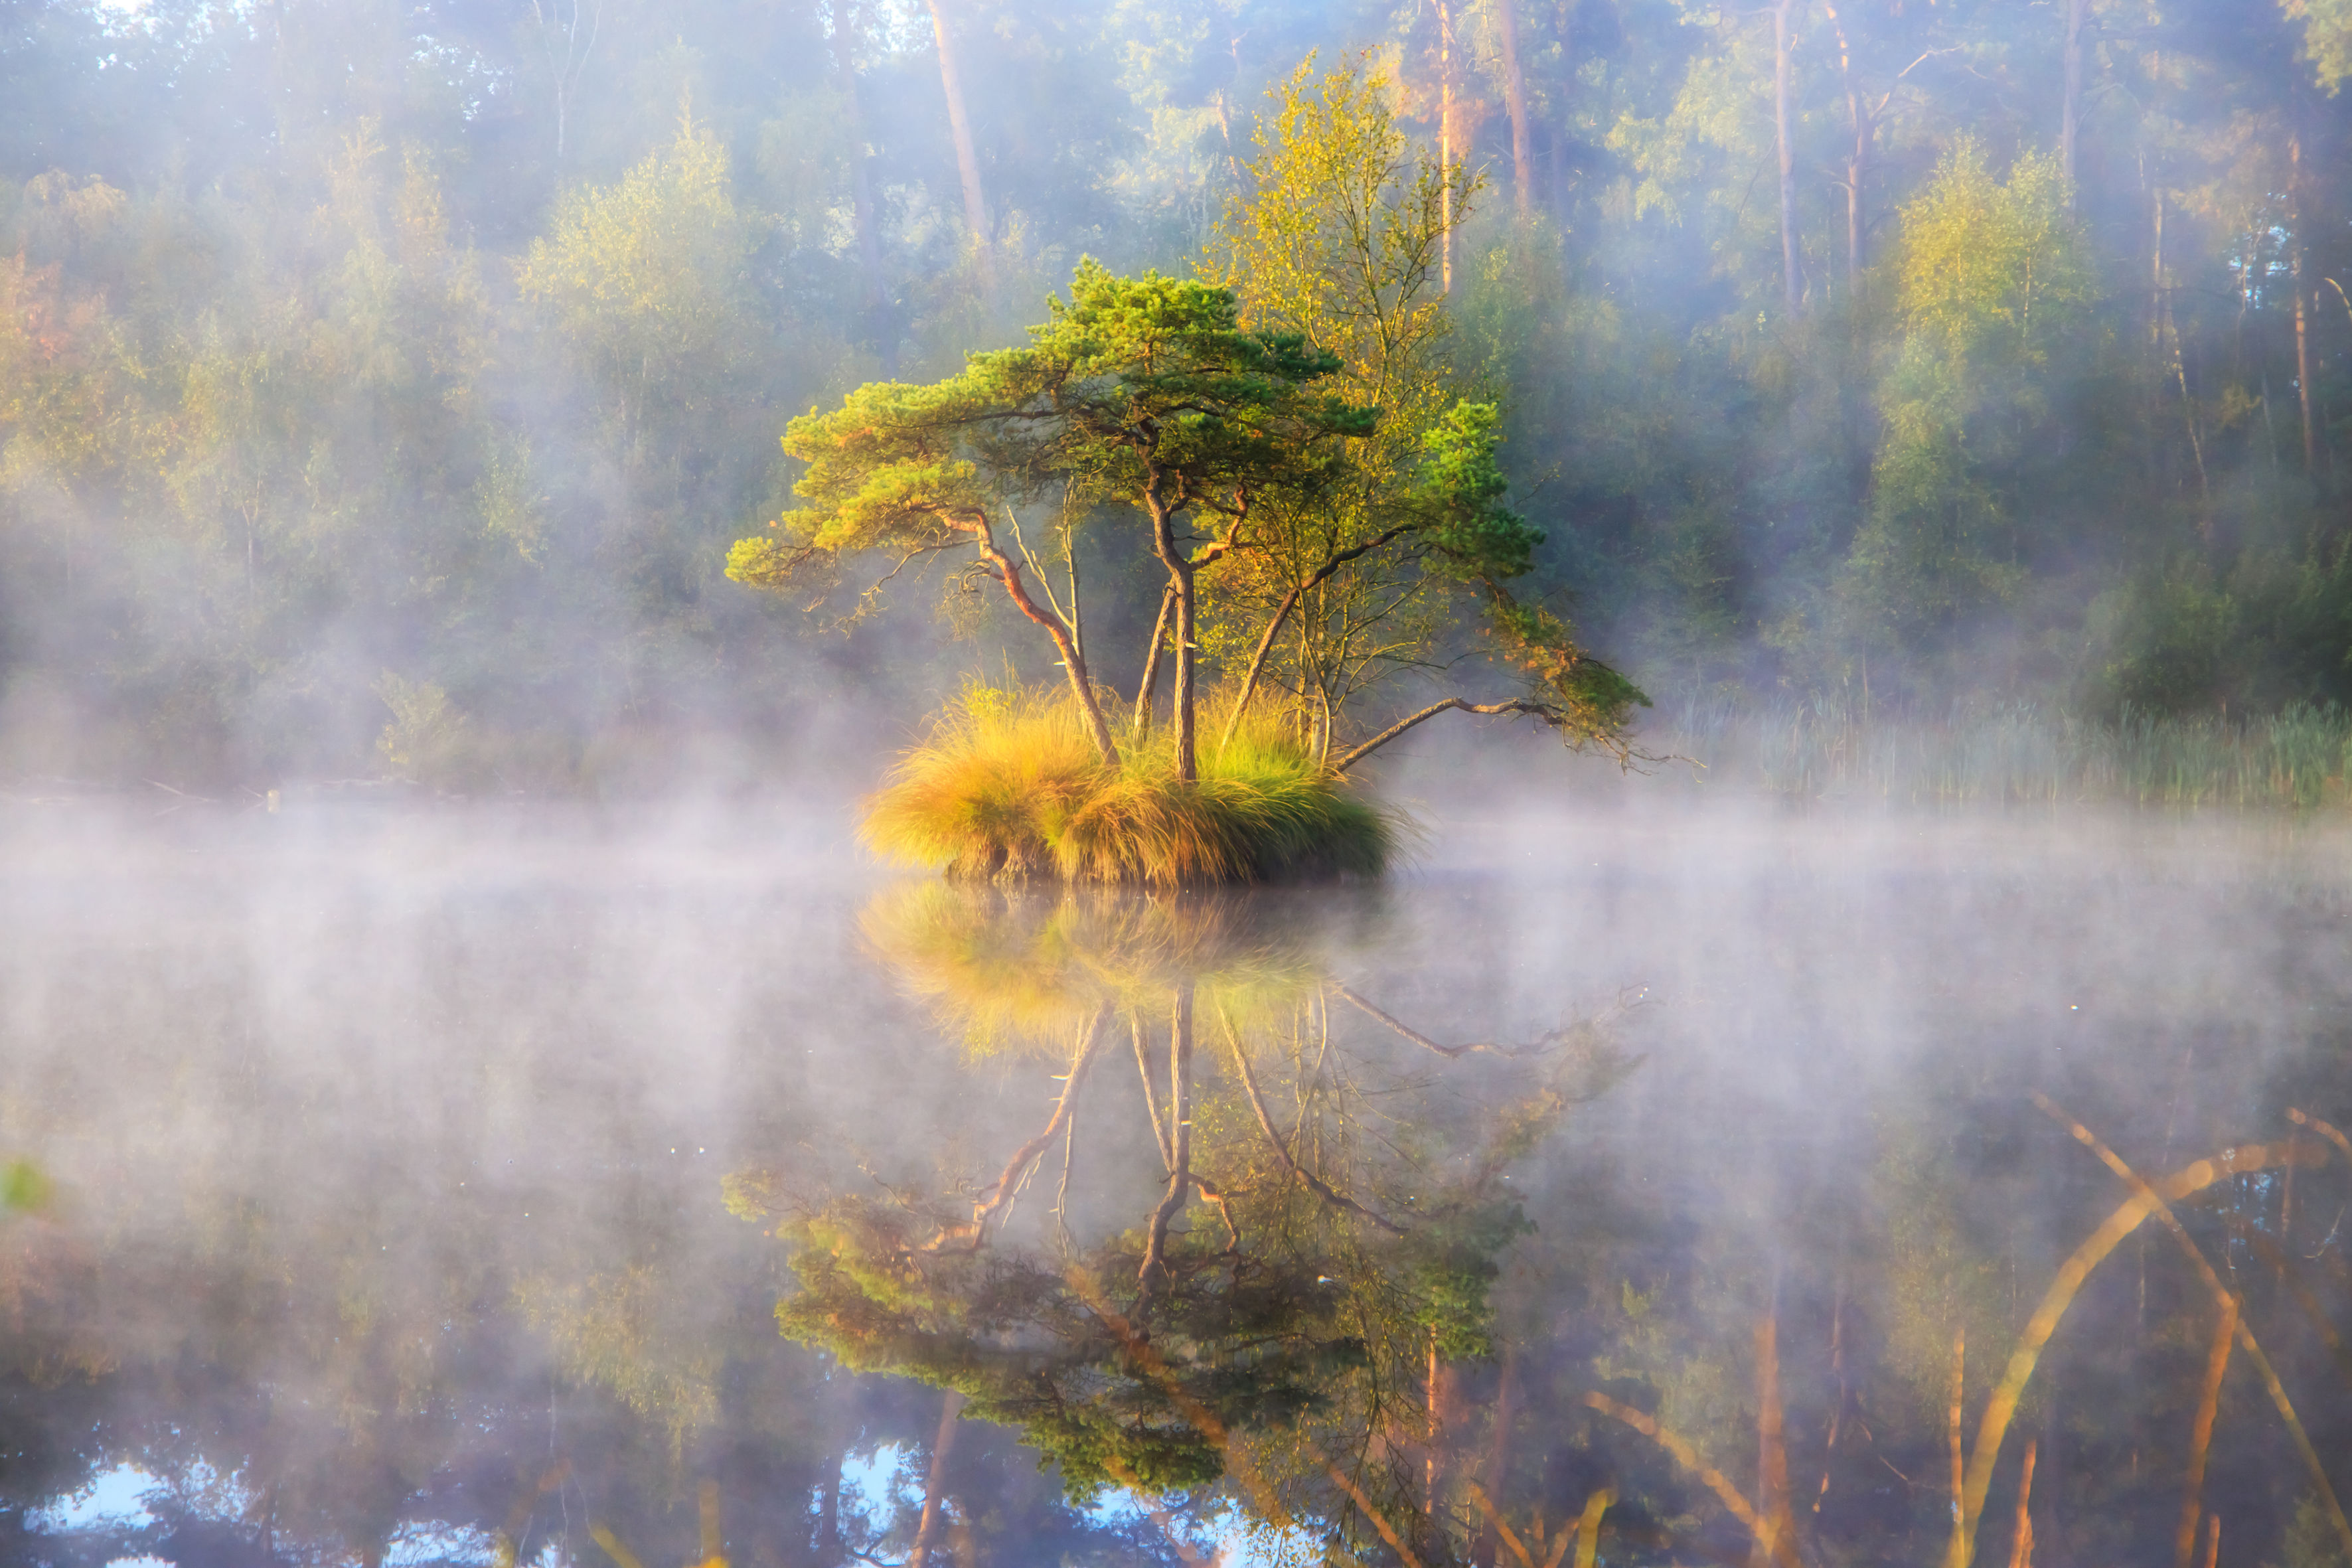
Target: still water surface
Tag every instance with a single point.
(421, 1187)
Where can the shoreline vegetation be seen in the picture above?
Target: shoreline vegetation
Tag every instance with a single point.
(1009, 785)
(2012, 755)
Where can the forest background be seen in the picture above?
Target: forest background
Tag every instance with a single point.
(381, 383)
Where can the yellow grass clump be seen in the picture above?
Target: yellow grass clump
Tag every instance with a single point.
(1008, 787)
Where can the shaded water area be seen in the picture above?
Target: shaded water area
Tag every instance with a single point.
(428, 1186)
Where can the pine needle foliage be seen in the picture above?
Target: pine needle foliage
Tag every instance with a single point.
(1008, 785)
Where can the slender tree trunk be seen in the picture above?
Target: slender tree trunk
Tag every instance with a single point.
(1180, 1141)
(1514, 97)
(1434, 1465)
(1559, 162)
(1282, 613)
(1257, 659)
(1565, 120)
(1856, 167)
(1791, 268)
(1074, 657)
(2201, 1436)
(2071, 115)
(861, 186)
(1150, 1096)
(1958, 1557)
(1184, 701)
(564, 67)
(2021, 1549)
(1179, 594)
(1148, 690)
(1857, 163)
(2311, 453)
(1772, 1452)
(935, 1485)
(828, 1511)
(1445, 141)
(975, 210)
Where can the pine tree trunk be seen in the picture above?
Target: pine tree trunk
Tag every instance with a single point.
(975, 210)
(861, 184)
(1515, 96)
(2312, 464)
(1187, 761)
(1857, 163)
(2071, 116)
(1855, 168)
(1445, 141)
(935, 1485)
(1180, 595)
(1792, 273)
(2302, 374)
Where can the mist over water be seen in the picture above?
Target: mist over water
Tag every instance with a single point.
(468, 1094)
(385, 1159)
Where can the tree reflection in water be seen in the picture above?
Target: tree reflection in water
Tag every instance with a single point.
(1312, 1325)
(1290, 1312)
(1238, 1214)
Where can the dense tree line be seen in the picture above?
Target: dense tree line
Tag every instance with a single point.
(380, 385)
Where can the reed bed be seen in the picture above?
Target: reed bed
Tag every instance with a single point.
(2014, 754)
(1007, 786)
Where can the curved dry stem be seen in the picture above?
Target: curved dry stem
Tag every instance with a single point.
(1588, 1529)
(2325, 1129)
(2157, 1199)
(2072, 1274)
(2290, 1271)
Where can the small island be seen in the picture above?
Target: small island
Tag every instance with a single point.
(1285, 450)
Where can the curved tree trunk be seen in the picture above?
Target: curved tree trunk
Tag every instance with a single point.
(1074, 657)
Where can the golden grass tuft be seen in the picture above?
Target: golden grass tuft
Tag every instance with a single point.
(1008, 787)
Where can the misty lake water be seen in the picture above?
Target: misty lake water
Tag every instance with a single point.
(421, 1185)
